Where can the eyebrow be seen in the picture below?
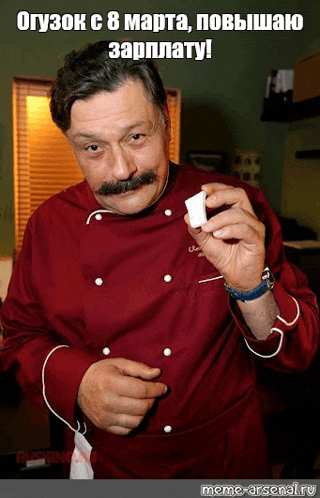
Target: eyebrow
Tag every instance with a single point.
(126, 129)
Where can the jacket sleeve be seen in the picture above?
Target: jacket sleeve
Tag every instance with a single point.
(294, 336)
(48, 368)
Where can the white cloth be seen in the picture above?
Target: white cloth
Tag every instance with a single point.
(80, 461)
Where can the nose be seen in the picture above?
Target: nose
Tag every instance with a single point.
(122, 164)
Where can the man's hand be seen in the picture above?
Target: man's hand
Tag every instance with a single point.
(114, 397)
(232, 240)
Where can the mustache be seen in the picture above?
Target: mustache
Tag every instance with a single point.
(122, 186)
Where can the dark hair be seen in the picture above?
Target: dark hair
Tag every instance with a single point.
(90, 70)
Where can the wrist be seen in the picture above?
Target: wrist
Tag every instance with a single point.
(266, 284)
(242, 286)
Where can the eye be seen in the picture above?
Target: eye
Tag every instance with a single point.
(137, 139)
(93, 148)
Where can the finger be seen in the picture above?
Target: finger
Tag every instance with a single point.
(121, 420)
(240, 231)
(130, 406)
(192, 231)
(130, 386)
(128, 421)
(211, 188)
(187, 219)
(123, 424)
(137, 388)
(229, 197)
(137, 369)
(118, 410)
(232, 217)
(219, 194)
(118, 431)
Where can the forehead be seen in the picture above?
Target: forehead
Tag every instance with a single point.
(129, 102)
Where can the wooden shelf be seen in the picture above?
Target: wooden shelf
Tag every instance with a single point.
(284, 112)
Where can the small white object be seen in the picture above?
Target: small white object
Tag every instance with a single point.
(98, 281)
(106, 351)
(98, 216)
(167, 429)
(94, 214)
(167, 352)
(168, 212)
(197, 209)
(167, 278)
(80, 462)
(284, 80)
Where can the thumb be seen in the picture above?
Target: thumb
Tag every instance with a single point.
(137, 369)
(199, 235)
(193, 231)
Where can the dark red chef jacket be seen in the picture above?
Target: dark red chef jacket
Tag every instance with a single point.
(138, 287)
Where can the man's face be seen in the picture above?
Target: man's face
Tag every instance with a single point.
(121, 143)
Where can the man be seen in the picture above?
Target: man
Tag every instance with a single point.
(137, 330)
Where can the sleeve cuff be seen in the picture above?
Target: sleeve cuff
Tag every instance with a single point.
(62, 372)
(286, 320)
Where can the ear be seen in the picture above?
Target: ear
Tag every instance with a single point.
(167, 120)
